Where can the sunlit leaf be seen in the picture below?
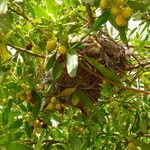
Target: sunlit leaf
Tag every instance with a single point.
(41, 12)
(3, 6)
(101, 20)
(57, 70)
(72, 62)
(68, 91)
(50, 61)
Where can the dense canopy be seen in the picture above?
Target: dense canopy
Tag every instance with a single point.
(75, 74)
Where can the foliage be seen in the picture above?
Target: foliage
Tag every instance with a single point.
(33, 35)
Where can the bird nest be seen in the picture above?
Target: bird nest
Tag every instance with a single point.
(107, 52)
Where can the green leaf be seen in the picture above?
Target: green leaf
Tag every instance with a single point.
(82, 96)
(144, 146)
(37, 105)
(38, 146)
(16, 136)
(74, 141)
(52, 8)
(57, 70)
(106, 89)
(50, 62)
(6, 112)
(41, 12)
(137, 6)
(28, 129)
(75, 99)
(122, 32)
(72, 62)
(18, 146)
(3, 6)
(16, 125)
(5, 117)
(103, 70)
(101, 20)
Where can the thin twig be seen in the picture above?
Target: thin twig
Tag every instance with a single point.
(138, 91)
(26, 51)
(138, 66)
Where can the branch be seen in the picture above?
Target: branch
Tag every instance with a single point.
(20, 14)
(139, 66)
(90, 14)
(25, 51)
(138, 91)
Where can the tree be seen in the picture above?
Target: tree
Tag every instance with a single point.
(74, 75)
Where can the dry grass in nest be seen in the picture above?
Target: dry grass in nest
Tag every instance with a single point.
(106, 51)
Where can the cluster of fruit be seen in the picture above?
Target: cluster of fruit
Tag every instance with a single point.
(118, 9)
(52, 44)
(25, 94)
(54, 104)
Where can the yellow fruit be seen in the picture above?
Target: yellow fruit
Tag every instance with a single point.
(37, 124)
(131, 146)
(120, 21)
(53, 99)
(115, 10)
(62, 49)
(104, 4)
(58, 106)
(28, 97)
(50, 106)
(120, 2)
(50, 45)
(126, 12)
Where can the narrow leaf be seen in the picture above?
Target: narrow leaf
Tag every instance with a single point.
(72, 62)
(57, 70)
(122, 32)
(5, 117)
(28, 129)
(16, 125)
(50, 62)
(37, 105)
(67, 92)
(101, 20)
(75, 99)
(103, 70)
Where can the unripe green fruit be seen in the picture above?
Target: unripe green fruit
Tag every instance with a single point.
(51, 45)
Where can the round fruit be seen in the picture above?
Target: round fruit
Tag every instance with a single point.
(131, 146)
(58, 106)
(120, 2)
(62, 49)
(37, 124)
(104, 4)
(53, 99)
(126, 12)
(115, 10)
(120, 21)
(50, 45)
(50, 106)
